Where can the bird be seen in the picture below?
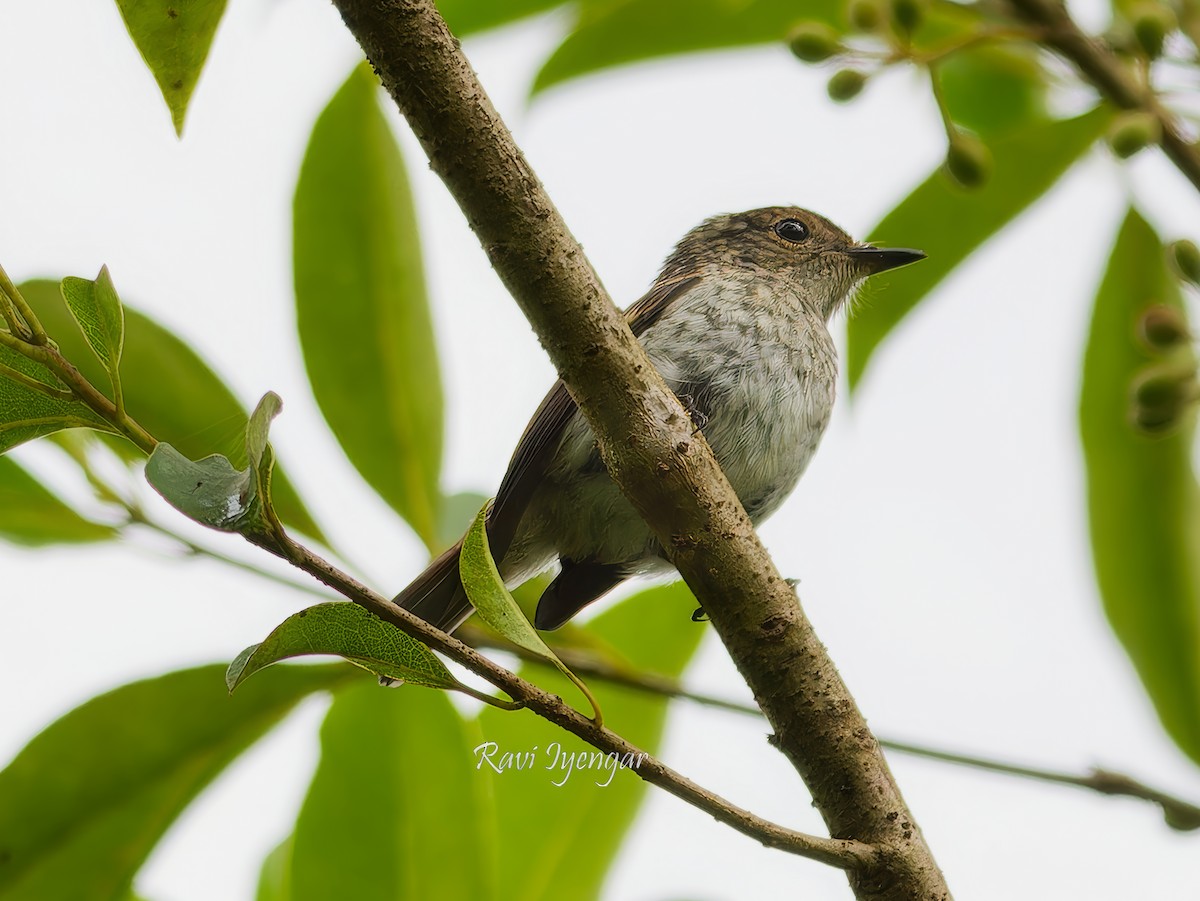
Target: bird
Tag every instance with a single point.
(737, 324)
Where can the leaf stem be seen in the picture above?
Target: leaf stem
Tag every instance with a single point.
(38, 334)
(15, 375)
(935, 87)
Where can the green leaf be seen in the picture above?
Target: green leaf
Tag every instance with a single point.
(86, 800)
(993, 89)
(173, 37)
(274, 879)
(97, 310)
(361, 308)
(613, 34)
(499, 609)
(456, 514)
(170, 390)
(209, 491)
(949, 224)
(1143, 500)
(397, 808)
(27, 411)
(212, 491)
(468, 16)
(559, 843)
(488, 594)
(349, 631)
(33, 516)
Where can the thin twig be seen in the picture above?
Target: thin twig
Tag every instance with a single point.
(1100, 67)
(842, 853)
(1178, 813)
(38, 334)
(137, 516)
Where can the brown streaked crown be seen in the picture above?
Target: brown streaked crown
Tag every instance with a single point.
(771, 238)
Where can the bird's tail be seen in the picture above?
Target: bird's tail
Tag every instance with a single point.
(437, 595)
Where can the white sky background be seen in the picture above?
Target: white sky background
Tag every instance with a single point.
(939, 535)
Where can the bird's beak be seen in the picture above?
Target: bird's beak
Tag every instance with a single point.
(876, 260)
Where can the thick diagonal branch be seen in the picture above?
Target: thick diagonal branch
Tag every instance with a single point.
(647, 441)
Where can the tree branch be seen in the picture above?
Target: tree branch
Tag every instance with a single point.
(1178, 813)
(1104, 71)
(842, 853)
(648, 442)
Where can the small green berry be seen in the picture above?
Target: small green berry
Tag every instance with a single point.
(1133, 131)
(1163, 328)
(865, 15)
(1152, 22)
(814, 42)
(1185, 260)
(968, 160)
(908, 14)
(846, 84)
(1161, 397)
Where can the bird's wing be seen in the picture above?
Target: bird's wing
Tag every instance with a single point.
(542, 436)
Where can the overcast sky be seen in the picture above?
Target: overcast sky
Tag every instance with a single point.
(939, 536)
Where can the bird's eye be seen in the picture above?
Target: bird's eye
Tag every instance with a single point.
(792, 230)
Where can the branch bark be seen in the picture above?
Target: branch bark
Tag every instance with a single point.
(1101, 68)
(647, 442)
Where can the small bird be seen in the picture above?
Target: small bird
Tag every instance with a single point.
(737, 324)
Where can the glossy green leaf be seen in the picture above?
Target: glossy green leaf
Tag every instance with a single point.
(86, 800)
(212, 491)
(209, 491)
(469, 16)
(169, 390)
(346, 630)
(361, 308)
(274, 879)
(31, 515)
(98, 313)
(613, 34)
(27, 411)
(397, 809)
(488, 594)
(949, 224)
(1143, 500)
(498, 608)
(173, 37)
(557, 843)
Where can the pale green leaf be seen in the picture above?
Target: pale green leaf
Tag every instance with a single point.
(361, 306)
(346, 630)
(397, 809)
(949, 223)
(83, 803)
(1143, 499)
(173, 37)
(617, 33)
(169, 390)
(558, 843)
(33, 516)
(469, 16)
(27, 412)
(209, 491)
(98, 312)
(274, 879)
